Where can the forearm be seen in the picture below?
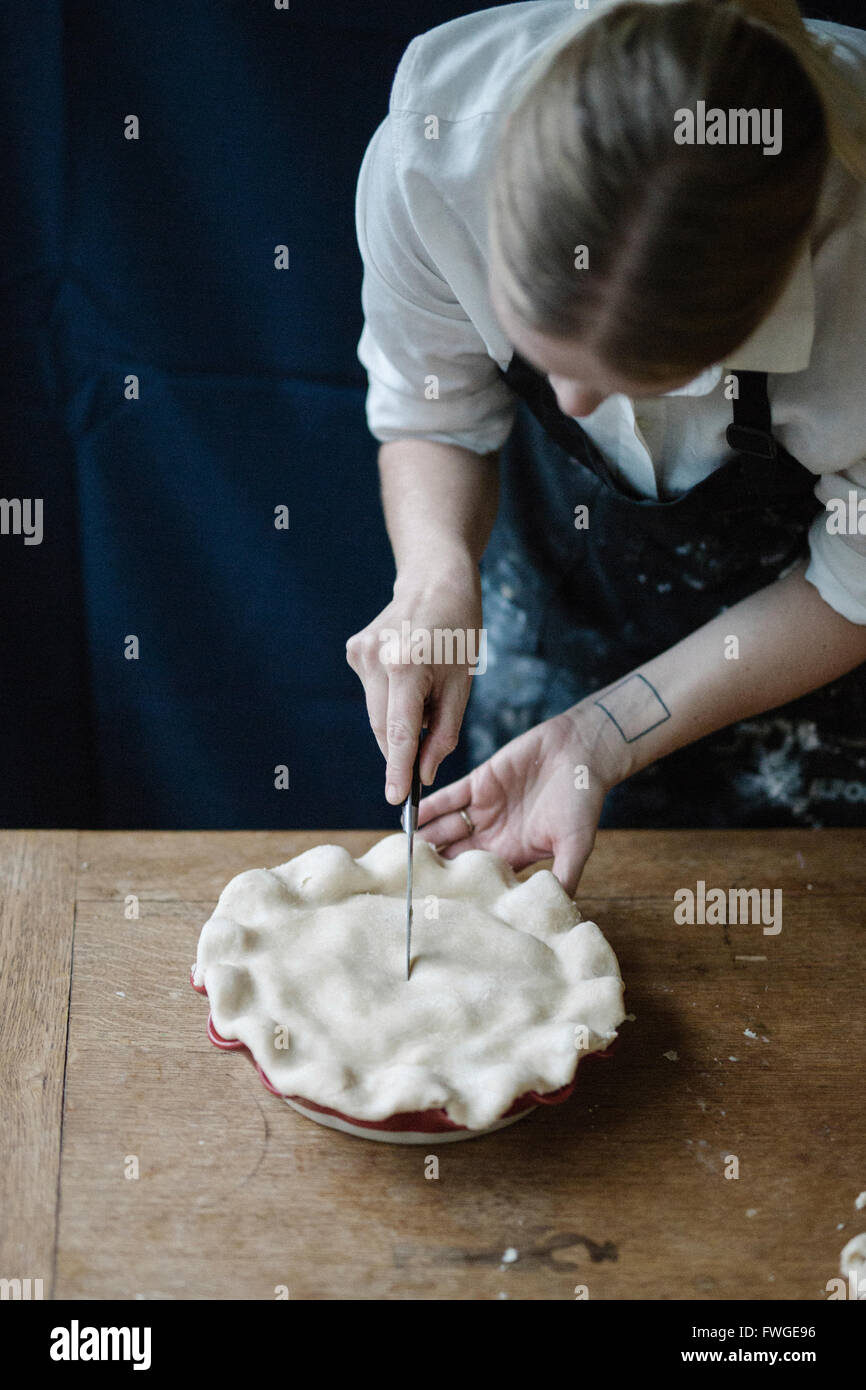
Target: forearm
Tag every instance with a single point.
(789, 642)
(439, 501)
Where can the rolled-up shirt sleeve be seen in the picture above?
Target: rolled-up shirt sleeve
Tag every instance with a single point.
(837, 563)
(429, 372)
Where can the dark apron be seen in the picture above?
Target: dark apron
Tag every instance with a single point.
(567, 611)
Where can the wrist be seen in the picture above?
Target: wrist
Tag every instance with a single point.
(608, 754)
(448, 566)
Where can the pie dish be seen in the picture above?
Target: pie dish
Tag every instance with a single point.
(304, 967)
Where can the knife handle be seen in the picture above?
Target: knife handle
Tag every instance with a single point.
(415, 794)
(410, 805)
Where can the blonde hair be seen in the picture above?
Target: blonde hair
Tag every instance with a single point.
(688, 245)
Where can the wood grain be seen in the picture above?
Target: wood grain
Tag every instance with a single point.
(195, 865)
(622, 1190)
(37, 903)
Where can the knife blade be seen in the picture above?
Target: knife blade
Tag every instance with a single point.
(410, 823)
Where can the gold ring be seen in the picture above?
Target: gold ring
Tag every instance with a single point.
(470, 828)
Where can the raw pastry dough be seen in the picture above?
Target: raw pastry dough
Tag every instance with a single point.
(305, 964)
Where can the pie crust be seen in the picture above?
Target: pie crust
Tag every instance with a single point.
(304, 964)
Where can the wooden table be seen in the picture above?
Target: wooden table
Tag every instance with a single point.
(105, 1065)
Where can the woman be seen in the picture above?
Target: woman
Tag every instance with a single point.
(650, 219)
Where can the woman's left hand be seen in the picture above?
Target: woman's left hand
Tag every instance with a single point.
(540, 795)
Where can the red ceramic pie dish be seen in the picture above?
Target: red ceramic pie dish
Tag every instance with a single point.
(408, 1123)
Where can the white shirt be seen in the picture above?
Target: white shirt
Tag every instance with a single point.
(422, 233)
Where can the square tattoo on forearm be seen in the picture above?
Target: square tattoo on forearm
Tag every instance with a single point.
(635, 707)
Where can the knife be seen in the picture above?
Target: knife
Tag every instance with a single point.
(410, 823)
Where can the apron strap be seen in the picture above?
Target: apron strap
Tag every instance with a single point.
(751, 431)
(535, 390)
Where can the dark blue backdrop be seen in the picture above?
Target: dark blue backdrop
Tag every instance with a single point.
(155, 257)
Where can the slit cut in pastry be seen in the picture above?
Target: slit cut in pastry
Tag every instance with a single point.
(305, 964)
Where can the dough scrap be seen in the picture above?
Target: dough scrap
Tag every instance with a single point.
(305, 964)
(853, 1257)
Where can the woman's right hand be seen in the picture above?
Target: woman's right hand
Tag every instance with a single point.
(403, 694)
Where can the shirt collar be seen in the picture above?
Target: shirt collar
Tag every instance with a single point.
(782, 342)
